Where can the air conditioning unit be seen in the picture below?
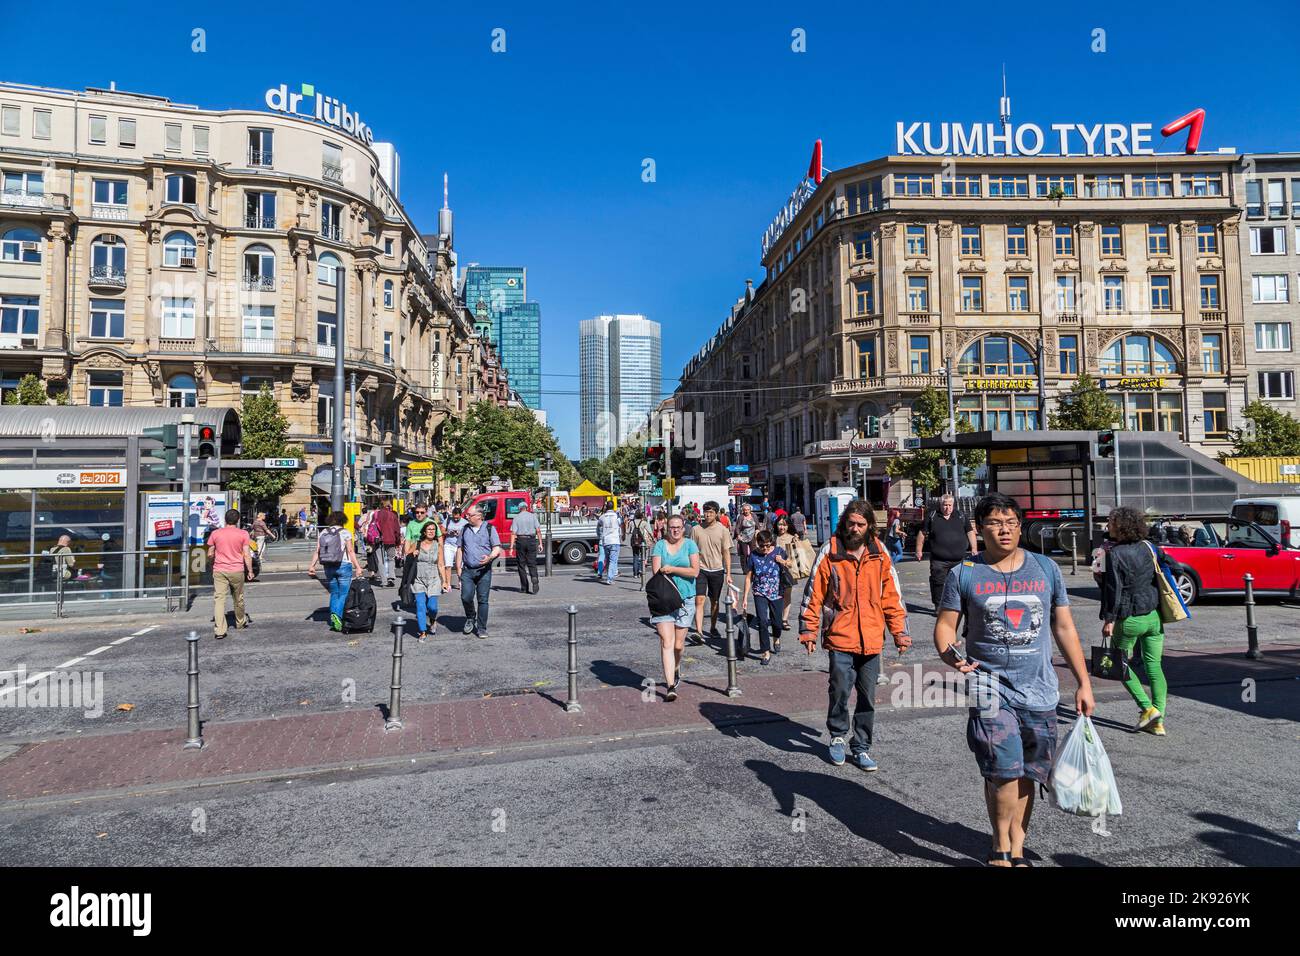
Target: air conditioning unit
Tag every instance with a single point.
(29, 342)
(31, 247)
(187, 262)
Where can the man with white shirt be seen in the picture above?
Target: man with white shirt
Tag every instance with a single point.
(610, 529)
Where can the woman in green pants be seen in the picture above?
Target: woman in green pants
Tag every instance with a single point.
(1130, 610)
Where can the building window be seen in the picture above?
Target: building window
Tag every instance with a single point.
(1157, 240)
(960, 185)
(251, 385)
(98, 133)
(1018, 293)
(181, 189)
(325, 406)
(1215, 406)
(862, 247)
(21, 245)
(1273, 336)
(388, 348)
(178, 318)
(259, 210)
(179, 251)
(201, 139)
(1268, 240)
(261, 147)
(918, 354)
(108, 260)
(914, 185)
(1112, 241)
(1017, 241)
(1212, 353)
(331, 221)
(326, 330)
(1008, 186)
(388, 293)
(1277, 385)
(42, 120)
(1063, 241)
(182, 392)
(1065, 297)
(997, 355)
(105, 389)
(867, 367)
(1050, 187)
(972, 294)
(1162, 295)
(1069, 354)
(388, 248)
(918, 294)
(1254, 199)
(1276, 198)
(1153, 185)
(1207, 240)
(970, 409)
(1169, 412)
(1103, 187)
(20, 314)
(259, 328)
(172, 137)
(1209, 292)
(20, 185)
(108, 192)
(1269, 288)
(327, 267)
(970, 241)
(259, 269)
(916, 241)
(1112, 292)
(1138, 355)
(11, 120)
(1202, 184)
(863, 197)
(107, 318)
(864, 297)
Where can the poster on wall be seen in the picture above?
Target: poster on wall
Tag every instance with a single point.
(162, 515)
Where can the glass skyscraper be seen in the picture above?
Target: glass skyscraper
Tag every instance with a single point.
(497, 296)
(619, 366)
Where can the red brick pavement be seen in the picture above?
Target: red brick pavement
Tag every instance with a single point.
(127, 760)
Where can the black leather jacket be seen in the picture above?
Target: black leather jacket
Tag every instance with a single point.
(1129, 586)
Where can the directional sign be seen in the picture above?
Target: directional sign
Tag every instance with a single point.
(549, 479)
(911, 444)
(645, 487)
(272, 463)
(707, 475)
(738, 487)
(738, 468)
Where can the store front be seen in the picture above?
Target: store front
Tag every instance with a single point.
(858, 463)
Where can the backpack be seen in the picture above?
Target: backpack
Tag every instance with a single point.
(372, 531)
(360, 608)
(662, 596)
(638, 539)
(331, 546)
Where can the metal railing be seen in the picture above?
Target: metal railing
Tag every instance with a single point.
(43, 578)
(258, 283)
(108, 277)
(259, 157)
(253, 221)
(332, 232)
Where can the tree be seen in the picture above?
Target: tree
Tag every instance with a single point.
(590, 468)
(1085, 409)
(930, 418)
(265, 434)
(473, 445)
(624, 461)
(1275, 433)
(31, 391)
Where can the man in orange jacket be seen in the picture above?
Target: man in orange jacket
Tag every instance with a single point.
(852, 596)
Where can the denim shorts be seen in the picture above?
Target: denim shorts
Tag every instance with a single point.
(683, 618)
(1012, 743)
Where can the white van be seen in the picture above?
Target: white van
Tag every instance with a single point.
(1279, 516)
(697, 495)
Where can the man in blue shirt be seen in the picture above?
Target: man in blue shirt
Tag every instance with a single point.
(480, 545)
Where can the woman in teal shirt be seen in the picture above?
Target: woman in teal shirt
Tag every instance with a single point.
(678, 558)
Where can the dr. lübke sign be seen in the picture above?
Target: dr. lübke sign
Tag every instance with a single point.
(309, 104)
(1030, 139)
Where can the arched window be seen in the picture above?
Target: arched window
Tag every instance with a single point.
(1138, 354)
(182, 392)
(259, 268)
(108, 259)
(388, 293)
(327, 267)
(21, 245)
(181, 189)
(179, 250)
(997, 355)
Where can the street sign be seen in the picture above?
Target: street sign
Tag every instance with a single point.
(738, 468)
(386, 484)
(735, 446)
(549, 479)
(707, 475)
(269, 463)
(738, 487)
(862, 462)
(645, 487)
(911, 444)
(670, 487)
(419, 475)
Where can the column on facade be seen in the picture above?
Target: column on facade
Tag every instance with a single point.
(1230, 297)
(945, 294)
(1046, 233)
(368, 317)
(889, 296)
(201, 316)
(56, 330)
(302, 317)
(152, 312)
(1088, 293)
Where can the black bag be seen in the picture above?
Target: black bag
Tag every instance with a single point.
(1108, 662)
(406, 593)
(360, 608)
(787, 579)
(662, 596)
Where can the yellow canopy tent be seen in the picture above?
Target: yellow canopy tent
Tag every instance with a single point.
(590, 495)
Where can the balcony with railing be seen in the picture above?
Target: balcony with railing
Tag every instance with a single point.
(259, 157)
(331, 172)
(1213, 315)
(177, 345)
(107, 277)
(112, 213)
(254, 282)
(23, 199)
(331, 232)
(1067, 318)
(255, 221)
(917, 318)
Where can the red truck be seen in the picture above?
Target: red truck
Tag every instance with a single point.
(573, 539)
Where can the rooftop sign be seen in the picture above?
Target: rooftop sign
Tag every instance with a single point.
(309, 104)
(1030, 139)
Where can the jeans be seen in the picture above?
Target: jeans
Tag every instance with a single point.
(638, 559)
(385, 554)
(847, 671)
(769, 611)
(223, 583)
(424, 604)
(476, 582)
(338, 577)
(1145, 633)
(896, 551)
(610, 553)
(526, 561)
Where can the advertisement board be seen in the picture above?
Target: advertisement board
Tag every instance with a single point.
(162, 514)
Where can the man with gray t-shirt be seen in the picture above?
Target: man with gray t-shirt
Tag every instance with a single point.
(524, 530)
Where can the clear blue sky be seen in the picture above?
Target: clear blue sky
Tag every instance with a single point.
(544, 143)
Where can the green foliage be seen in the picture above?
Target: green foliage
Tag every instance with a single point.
(31, 391)
(921, 467)
(1275, 433)
(1085, 409)
(265, 435)
(590, 469)
(472, 446)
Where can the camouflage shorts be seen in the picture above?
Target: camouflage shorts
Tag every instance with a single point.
(1012, 743)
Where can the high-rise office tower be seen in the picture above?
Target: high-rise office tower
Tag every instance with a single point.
(497, 298)
(619, 365)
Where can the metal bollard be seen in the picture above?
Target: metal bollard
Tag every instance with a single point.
(394, 721)
(195, 740)
(1074, 554)
(732, 689)
(1252, 631)
(571, 706)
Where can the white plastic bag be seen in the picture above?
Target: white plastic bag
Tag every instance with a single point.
(1082, 780)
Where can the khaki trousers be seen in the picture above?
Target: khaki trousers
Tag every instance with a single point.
(223, 583)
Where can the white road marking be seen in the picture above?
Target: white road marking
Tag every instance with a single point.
(77, 660)
(122, 640)
(66, 664)
(151, 627)
(98, 650)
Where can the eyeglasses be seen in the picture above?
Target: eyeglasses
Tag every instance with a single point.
(419, 511)
(1011, 525)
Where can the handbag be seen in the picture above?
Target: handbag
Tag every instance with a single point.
(662, 596)
(1172, 607)
(1108, 662)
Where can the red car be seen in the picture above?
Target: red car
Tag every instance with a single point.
(1213, 557)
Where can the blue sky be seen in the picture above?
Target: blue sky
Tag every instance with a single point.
(544, 143)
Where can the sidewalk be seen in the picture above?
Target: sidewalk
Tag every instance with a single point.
(310, 742)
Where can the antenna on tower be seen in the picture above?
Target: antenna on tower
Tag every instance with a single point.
(446, 230)
(444, 190)
(1004, 104)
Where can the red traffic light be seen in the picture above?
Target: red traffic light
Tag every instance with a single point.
(206, 433)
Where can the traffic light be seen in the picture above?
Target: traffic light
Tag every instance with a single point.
(873, 426)
(207, 442)
(1106, 444)
(654, 458)
(169, 469)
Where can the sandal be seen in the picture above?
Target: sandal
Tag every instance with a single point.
(999, 856)
(1020, 861)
